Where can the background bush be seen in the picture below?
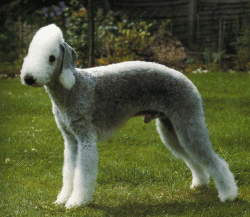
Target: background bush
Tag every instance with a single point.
(119, 39)
(8, 45)
(242, 62)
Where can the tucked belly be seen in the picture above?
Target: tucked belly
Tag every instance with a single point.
(118, 99)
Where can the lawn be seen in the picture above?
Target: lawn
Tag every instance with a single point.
(138, 176)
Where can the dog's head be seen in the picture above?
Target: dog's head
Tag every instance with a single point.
(49, 59)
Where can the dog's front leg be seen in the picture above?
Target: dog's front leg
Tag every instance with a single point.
(85, 174)
(70, 153)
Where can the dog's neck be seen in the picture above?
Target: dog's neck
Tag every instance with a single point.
(60, 95)
(57, 92)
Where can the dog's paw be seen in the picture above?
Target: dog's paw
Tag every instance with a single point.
(60, 202)
(228, 189)
(230, 195)
(199, 185)
(76, 202)
(62, 198)
(200, 180)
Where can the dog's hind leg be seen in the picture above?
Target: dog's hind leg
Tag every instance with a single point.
(169, 138)
(194, 139)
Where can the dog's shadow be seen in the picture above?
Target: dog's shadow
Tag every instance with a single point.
(201, 203)
(174, 208)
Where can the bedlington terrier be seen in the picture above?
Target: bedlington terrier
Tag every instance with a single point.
(89, 104)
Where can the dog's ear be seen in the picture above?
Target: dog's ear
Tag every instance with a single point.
(67, 77)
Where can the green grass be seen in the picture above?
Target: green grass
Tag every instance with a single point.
(138, 176)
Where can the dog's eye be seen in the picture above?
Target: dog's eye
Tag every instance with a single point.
(52, 58)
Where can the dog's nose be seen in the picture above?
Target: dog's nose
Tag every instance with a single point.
(29, 79)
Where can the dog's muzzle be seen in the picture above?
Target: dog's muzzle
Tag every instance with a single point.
(29, 80)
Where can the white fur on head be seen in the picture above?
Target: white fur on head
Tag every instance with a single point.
(37, 64)
(67, 77)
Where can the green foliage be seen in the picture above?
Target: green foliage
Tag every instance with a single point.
(242, 62)
(165, 29)
(132, 37)
(127, 42)
(210, 56)
(77, 29)
(137, 176)
(115, 41)
(8, 45)
(12, 69)
(19, 61)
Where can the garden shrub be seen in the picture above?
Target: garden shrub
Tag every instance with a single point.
(7, 37)
(115, 41)
(77, 29)
(168, 49)
(170, 52)
(129, 41)
(121, 39)
(242, 62)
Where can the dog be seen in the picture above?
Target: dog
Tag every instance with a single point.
(89, 104)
